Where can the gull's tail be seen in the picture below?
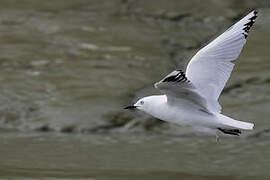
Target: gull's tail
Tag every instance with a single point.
(227, 121)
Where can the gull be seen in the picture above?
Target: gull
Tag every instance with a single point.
(191, 99)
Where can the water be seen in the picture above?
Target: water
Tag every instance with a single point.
(116, 156)
(67, 68)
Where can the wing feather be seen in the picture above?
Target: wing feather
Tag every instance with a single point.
(210, 68)
(177, 87)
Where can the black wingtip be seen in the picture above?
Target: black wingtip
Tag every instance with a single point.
(179, 77)
(249, 24)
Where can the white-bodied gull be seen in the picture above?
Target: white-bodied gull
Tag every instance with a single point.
(192, 99)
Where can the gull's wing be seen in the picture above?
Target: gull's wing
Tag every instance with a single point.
(211, 67)
(177, 87)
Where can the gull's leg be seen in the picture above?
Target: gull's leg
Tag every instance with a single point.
(217, 137)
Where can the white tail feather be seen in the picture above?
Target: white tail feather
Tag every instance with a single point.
(235, 123)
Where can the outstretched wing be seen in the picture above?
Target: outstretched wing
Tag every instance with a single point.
(177, 87)
(211, 67)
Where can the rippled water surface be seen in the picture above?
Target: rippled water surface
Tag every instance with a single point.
(68, 67)
(116, 156)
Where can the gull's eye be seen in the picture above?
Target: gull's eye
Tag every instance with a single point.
(141, 102)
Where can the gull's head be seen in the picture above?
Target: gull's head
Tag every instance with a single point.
(143, 104)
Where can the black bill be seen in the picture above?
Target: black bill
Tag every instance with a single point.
(130, 107)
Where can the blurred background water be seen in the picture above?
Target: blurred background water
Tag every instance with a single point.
(67, 68)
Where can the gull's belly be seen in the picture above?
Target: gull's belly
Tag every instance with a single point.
(188, 116)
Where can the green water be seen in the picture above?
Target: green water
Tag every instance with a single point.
(117, 156)
(67, 68)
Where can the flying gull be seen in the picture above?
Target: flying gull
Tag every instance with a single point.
(191, 99)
